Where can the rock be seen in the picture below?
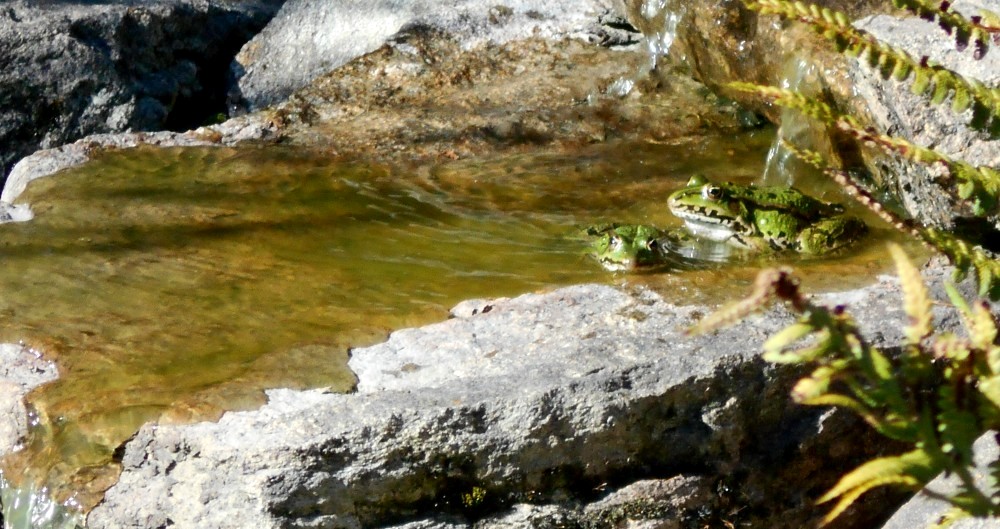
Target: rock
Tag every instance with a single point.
(893, 109)
(544, 398)
(720, 41)
(311, 37)
(424, 97)
(81, 68)
(386, 106)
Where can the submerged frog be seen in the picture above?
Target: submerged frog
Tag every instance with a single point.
(626, 246)
(633, 247)
(763, 218)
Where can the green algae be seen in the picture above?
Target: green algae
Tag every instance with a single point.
(174, 284)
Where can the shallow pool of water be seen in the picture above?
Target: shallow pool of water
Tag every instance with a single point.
(173, 284)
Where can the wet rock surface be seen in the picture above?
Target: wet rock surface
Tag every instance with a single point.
(72, 69)
(424, 96)
(311, 37)
(719, 41)
(531, 410)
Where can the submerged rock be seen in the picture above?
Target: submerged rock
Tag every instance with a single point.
(72, 69)
(542, 404)
(21, 370)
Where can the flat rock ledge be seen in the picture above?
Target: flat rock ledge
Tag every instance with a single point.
(582, 407)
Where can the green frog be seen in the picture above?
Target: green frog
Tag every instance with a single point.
(631, 247)
(625, 246)
(772, 218)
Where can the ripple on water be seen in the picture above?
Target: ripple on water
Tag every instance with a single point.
(172, 284)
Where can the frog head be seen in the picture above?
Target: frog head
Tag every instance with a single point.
(711, 211)
(625, 246)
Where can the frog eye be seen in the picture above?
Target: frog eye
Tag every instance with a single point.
(652, 245)
(711, 192)
(616, 242)
(697, 180)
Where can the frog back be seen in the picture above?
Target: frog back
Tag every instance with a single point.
(787, 200)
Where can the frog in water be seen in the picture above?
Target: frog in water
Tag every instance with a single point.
(625, 246)
(629, 247)
(763, 218)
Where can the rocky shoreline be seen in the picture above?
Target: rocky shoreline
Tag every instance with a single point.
(581, 407)
(544, 409)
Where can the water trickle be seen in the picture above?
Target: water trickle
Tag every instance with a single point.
(31, 507)
(781, 166)
(661, 19)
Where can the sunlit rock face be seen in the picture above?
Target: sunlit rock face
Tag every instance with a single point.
(77, 68)
(893, 108)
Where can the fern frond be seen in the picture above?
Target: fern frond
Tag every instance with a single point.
(950, 516)
(775, 348)
(916, 301)
(957, 424)
(965, 257)
(978, 186)
(961, 254)
(891, 61)
(953, 23)
(982, 327)
(911, 469)
(771, 285)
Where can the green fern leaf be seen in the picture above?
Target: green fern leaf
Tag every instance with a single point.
(911, 470)
(961, 101)
(921, 81)
(901, 71)
(989, 388)
(982, 329)
(941, 89)
(984, 277)
(915, 464)
(857, 43)
(775, 347)
(965, 189)
(916, 301)
(978, 186)
(957, 425)
(813, 388)
(965, 31)
(950, 516)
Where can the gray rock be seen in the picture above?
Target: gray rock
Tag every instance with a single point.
(72, 69)
(545, 396)
(893, 109)
(310, 37)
